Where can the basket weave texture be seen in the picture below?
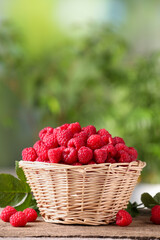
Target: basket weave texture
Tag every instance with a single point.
(88, 194)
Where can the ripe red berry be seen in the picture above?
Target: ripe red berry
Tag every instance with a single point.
(91, 162)
(105, 140)
(155, 217)
(39, 159)
(124, 157)
(83, 135)
(104, 132)
(41, 150)
(110, 160)
(133, 153)
(31, 214)
(94, 141)
(90, 130)
(119, 140)
(85, 154)
(29, 154)
(76, 142)
(111, 150)
(112, 141)
(7, 212)
(75, 127)
(69, 155)
(121, 146)
(55, 155)
(64, 136)
(100, 155)
(64, 126)
(44, 131)
(18, 219)
(77, 164)
(123, 218)
(50, 141)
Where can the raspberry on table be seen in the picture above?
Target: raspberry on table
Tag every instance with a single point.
(100, 155)
(119, 140)
(123, 218)
(85, 154)
(50, 141)
(110, 160)
(155, 214)
(133, 153)
(111, 150)
(41, 150)
(94, 141)
(69, 155)
(29, 154)
(44, 131)
(31, 214)
(90, 130)
(55, 155)
(75, 127)
(122, 146)
(63, 137)
(82, 135)
(124, 157)
(76, 142)
(18, 219)
(7, 212)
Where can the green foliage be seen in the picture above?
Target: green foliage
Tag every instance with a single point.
(94, 79)
(150, 201)
(132, 209)
(16, 192)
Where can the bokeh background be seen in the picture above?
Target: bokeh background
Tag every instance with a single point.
(92, 61)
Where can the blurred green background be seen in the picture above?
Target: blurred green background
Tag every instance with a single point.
(92, 61)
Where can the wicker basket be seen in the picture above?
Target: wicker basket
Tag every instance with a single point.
(88, 194)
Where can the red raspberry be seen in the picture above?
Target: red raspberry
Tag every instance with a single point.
(121, 146)
(55, 155)
(112, 141)
(85, 154)
(90, 130)
(105, 139)
(50, 141)
(44, 131)
(18, 219)
(63, 137)
(123, 218)
(31, 214)
(41, 150)
(82, 135)
(100, 155)
(110, 160)
(91, 162)
(76, 143)
(104, 132)
(94, 141)
(7, 213)
(64, 126)
(124, 157)
(39, 159)
(69, 155)
(111, 150)
(133, 153)
(155, 217)
(75, 127)
(119, 140)
(77, 164)
(29, 154)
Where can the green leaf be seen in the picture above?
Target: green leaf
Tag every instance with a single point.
(21, 175)
(148, 200)
(157, 198)
(12, 190)
(25, 204)
(132, 209)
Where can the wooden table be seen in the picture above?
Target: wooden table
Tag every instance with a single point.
(141, 228)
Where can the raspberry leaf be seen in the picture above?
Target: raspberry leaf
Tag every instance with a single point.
(12, 190)
(132, 209)
(157, 198)
(21, 175)
(148, 200)
(26, 203)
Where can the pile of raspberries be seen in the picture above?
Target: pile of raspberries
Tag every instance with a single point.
(71, 144)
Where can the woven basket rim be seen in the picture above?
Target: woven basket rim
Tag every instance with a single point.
(40, 165)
